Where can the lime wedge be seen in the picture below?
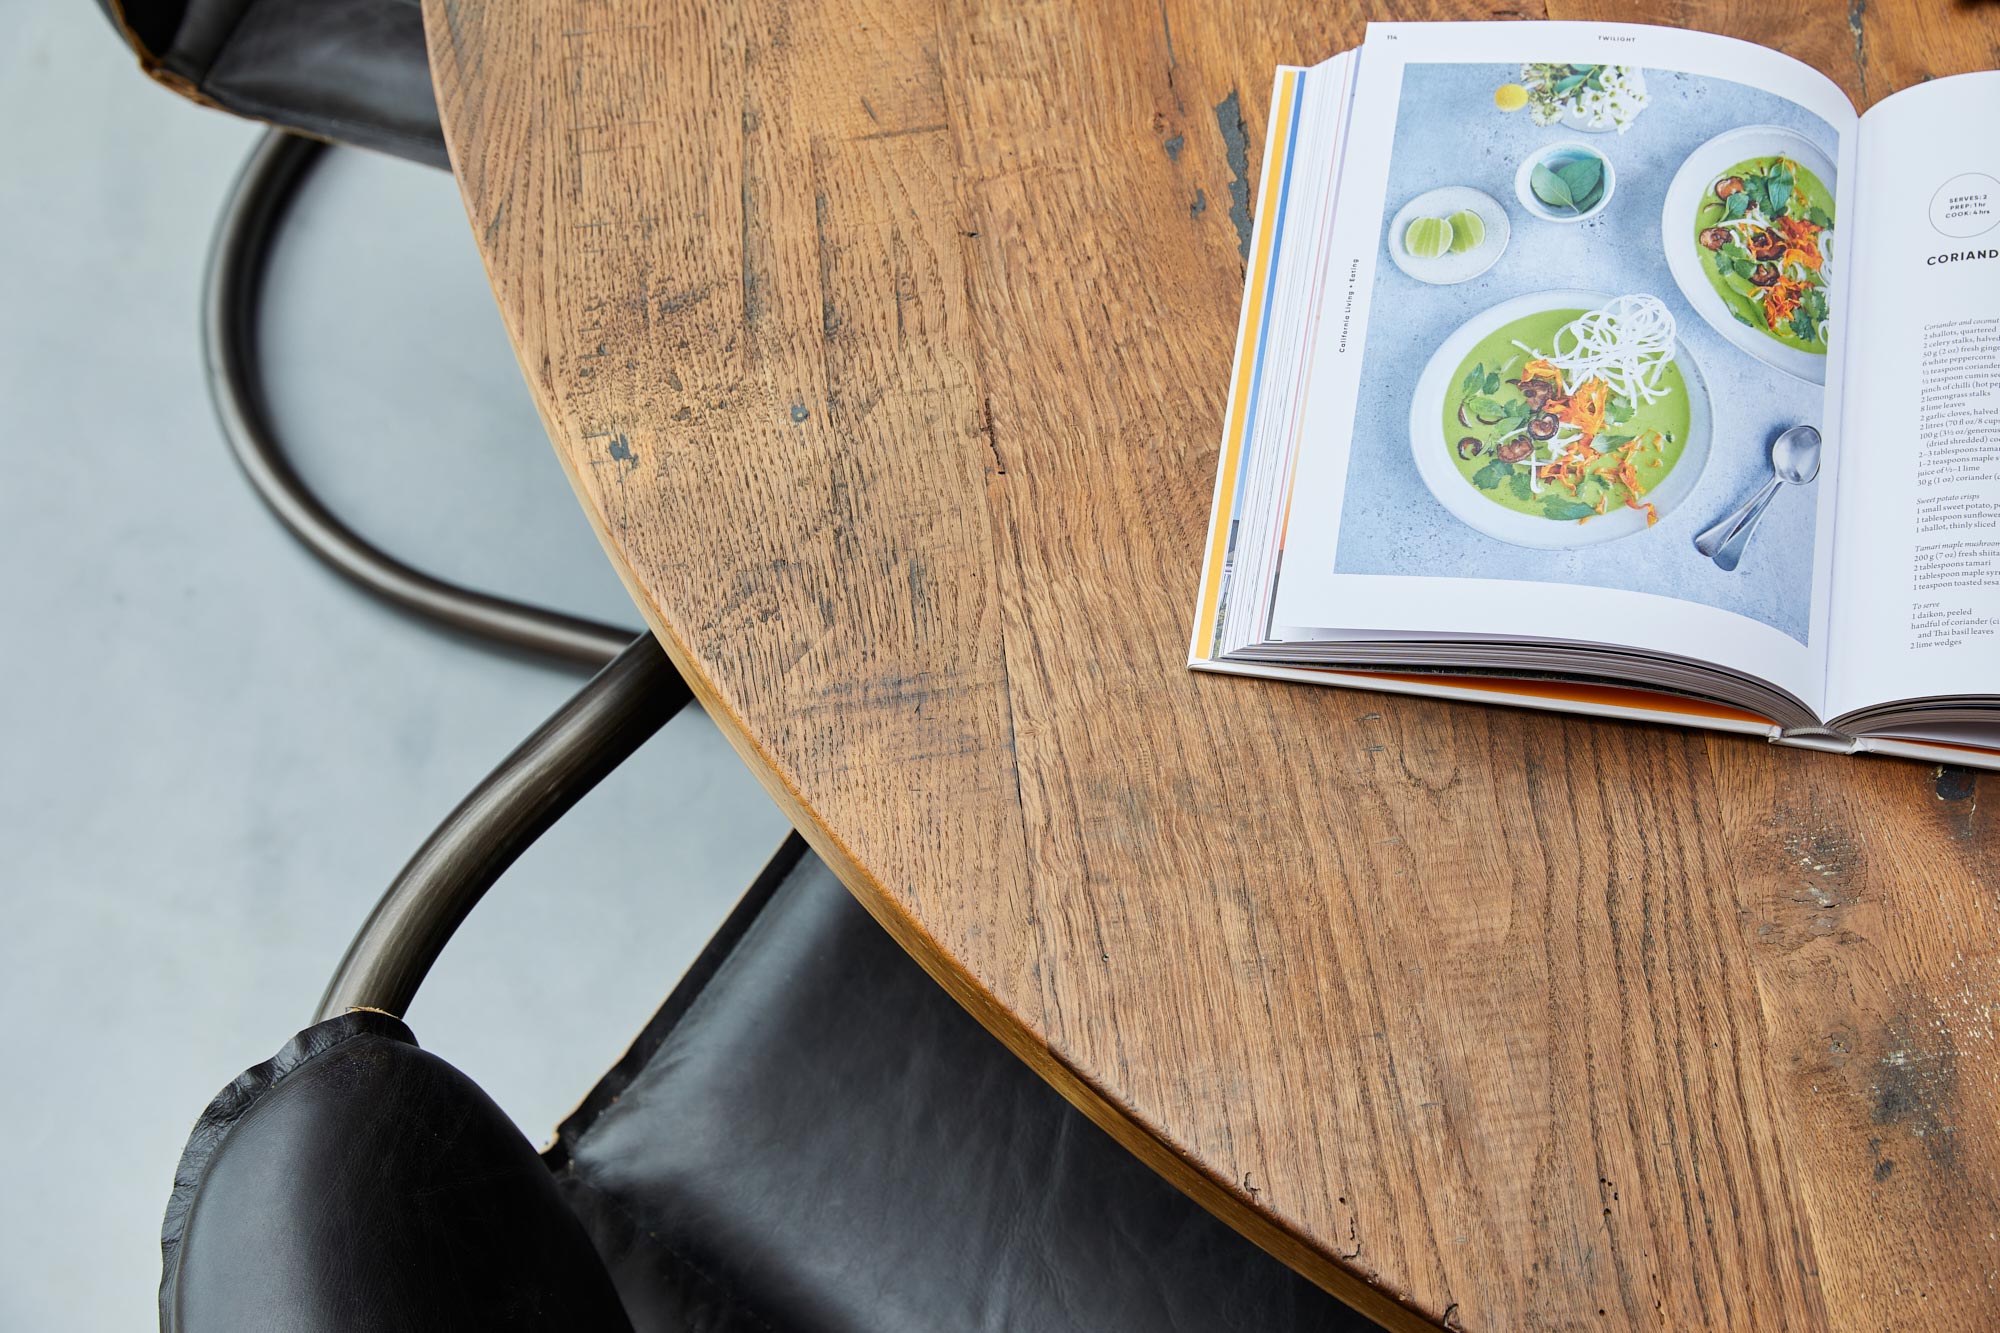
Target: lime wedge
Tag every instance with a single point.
(1467, 231)
(1427, 238)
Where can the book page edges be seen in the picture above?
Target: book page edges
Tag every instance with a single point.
(1558, 696)
(1277, 145)
(1613, 702)
(1934, 752)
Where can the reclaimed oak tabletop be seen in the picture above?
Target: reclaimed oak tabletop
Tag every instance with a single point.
(886, 345)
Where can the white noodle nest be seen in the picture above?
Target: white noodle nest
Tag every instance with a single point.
(1628, 343)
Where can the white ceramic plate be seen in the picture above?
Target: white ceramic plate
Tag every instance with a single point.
(1465, 503)
(1677, 216)
(1442, 203)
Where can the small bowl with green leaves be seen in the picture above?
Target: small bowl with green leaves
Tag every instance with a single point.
(1565, 182)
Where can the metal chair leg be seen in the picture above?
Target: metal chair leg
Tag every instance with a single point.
(236, 266)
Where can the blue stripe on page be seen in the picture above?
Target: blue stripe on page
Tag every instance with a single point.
(1271, 279)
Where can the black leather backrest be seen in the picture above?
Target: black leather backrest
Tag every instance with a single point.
(352, 71)
(354, 1181)
(813, 1137)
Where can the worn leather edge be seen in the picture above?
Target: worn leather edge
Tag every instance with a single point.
(236, 1100)
(150, 62)
(409, 147)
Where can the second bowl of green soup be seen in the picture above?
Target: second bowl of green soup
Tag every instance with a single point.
(1752, 239)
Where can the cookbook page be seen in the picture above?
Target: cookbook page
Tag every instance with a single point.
(1583, 274)
(1918, 563)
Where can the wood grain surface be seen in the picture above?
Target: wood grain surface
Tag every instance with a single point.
(886, 341)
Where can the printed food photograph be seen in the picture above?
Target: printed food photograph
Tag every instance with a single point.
(1610, 298)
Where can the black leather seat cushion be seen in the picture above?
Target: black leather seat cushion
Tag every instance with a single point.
(351, 71)
(812, 1135)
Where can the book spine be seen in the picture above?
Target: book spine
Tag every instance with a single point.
(1818, 738)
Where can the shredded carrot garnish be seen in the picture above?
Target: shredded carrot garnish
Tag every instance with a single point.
(1585, 408)
(1781, 299)
(1802, 243)
(1539, 369)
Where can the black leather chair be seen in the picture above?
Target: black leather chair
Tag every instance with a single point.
(809, 1134)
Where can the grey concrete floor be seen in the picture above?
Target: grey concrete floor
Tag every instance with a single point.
(213, 754)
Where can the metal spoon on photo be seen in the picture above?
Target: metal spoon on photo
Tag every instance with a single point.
(1794, 461)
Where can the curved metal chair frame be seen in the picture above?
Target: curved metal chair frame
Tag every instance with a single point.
(230, 296)
(589, 736)
(630, 698)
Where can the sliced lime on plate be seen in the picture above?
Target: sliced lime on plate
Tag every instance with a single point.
(1467, 231)
(1428, 238)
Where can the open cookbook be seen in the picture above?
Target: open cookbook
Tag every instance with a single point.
(1621, 370)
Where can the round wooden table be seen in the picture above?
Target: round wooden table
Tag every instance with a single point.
(886, 345)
